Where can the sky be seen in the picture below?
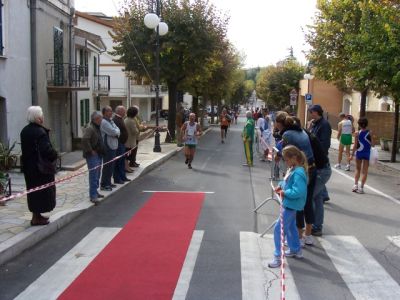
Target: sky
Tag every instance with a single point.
(262, 30)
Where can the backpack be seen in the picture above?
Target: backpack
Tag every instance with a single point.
(320, 159)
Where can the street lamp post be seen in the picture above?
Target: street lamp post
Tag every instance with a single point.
(152, 21)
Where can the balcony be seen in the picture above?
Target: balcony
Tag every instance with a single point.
(147, 91)
(101, 84)
(66, 77)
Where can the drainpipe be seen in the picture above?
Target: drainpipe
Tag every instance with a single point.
(32, 6)
(71, 62)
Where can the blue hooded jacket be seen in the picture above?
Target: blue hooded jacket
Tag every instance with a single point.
(295, 189)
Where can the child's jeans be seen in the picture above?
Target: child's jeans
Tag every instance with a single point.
(290, 230)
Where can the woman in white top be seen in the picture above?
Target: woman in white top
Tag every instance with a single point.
(345, 137)
(191, 130)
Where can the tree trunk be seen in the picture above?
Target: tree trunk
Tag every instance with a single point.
(395, 132)
(172, 95)
(195, 106)
(363, 103)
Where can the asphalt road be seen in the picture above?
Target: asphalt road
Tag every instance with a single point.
(367, 220)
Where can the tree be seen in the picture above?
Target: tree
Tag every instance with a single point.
(356, 44)
(195, 30)
(333, 39)
(380, 36)
(275, 82)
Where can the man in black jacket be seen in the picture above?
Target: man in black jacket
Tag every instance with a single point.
(119, 168)
(93, 151)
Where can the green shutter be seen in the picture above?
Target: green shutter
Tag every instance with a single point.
(82, 113)
(87, 109)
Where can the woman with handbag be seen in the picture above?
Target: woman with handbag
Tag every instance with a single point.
(38, 162)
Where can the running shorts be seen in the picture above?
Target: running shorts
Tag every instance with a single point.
(346, 139)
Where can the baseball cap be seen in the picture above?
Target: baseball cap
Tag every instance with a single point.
(316, 107)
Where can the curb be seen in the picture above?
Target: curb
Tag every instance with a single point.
(32, 235)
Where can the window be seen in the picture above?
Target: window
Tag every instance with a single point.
(84, 112)
(1, 28)
(83, 62)
(58, 57)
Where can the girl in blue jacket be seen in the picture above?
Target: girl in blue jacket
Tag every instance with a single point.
(293, 191)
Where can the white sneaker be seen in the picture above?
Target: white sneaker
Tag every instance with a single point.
(308, 240)
(302, 242)
(360, 190)
(298, 254)
(338, 166)
(347, 168)
(275, 263)
(355, 188)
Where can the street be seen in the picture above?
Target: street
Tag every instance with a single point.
(356, 258)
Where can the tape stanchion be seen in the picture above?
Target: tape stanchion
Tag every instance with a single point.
(47, 185)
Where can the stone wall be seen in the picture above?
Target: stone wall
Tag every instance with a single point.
(381, 123)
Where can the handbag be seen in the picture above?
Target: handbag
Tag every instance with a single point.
(44, 165)
(373, 156)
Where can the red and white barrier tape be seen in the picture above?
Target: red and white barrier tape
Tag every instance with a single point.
(47, 185)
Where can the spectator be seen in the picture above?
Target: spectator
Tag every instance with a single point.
(119, 167)
(293, 134)
(35, 143)
(248, 139)
(110, 133)
(362, 151)
(133, 136)
(293, 191)
(140, 127)
(93, 151)
(323, 131)
(345, 137)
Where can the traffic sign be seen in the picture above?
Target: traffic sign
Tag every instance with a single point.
(308, 99)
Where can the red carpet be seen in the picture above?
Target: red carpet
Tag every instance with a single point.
(145, 259)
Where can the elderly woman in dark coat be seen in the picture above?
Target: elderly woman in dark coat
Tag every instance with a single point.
(34, 139)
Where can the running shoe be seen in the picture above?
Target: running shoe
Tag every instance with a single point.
(290, 253)
(360, 190)
(275, 263)
(338, 166)
(347, 168)
(355, 188)
(308, 240)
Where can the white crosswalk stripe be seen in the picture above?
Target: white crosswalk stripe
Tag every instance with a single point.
(259, 281)
(363, 275)
(56, 279)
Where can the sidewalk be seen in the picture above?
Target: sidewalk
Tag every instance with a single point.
(16, 233)
(384, 156)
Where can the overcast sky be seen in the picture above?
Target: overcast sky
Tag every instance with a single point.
(263, 30)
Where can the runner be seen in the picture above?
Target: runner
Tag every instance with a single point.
(248, 138)
(190, 130)
(224, 120)
(345, 131)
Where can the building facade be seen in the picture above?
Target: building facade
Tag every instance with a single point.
(15, 65)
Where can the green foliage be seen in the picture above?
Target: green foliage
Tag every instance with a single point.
(7, 159)
(275, 82)
(194, 56)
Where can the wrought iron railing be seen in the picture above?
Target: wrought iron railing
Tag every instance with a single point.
(147, 89)
(67, 75)
(101, 83)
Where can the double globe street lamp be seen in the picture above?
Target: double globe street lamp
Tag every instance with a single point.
(152, 21)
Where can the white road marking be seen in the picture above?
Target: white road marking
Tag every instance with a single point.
(394, 200)
(182, 286)
(190, 192)
(364, 276)
(259, 281)
(58, 277)
(395, 240)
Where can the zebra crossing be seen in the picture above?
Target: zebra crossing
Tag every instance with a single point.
(362, 274)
